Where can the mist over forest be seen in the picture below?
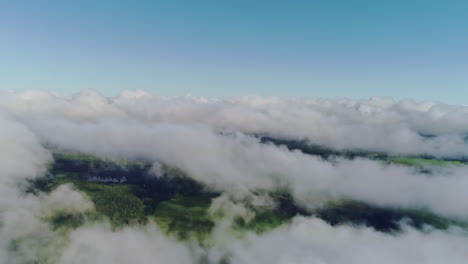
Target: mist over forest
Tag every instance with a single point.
(141, 178)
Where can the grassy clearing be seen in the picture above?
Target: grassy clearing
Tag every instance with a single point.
(75, 156)
(185, 216)
(264, 221)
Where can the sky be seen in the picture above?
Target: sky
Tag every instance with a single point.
(321, 49)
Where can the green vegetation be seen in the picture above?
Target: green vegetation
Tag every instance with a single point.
(119, 203)
(306, 147)
(263, 221)
(185, 216)
(65, 221)
(176, 202)
(179, 205)
(75, 156)
(322, 151)
(382, 219)
(420, 162)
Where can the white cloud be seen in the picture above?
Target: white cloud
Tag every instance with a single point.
(185, 132)
(312, 241)
(378, 124)
(98, 244)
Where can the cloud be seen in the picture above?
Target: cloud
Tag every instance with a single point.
(239, 164)
(25, 237)
(21, 156)
(99, 244)
(312, 241)
(378, 124)
(65, 199)
(211, 140)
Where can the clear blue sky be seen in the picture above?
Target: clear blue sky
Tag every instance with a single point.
(218, 48)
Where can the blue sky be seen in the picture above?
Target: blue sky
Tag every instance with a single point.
(219, 48)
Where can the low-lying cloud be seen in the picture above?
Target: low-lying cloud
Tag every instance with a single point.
(312, 241)
(212, 141)
(379, 124)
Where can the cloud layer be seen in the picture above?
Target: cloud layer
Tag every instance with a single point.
(212, 141)
(378, 124)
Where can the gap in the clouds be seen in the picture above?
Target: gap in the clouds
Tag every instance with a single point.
(380, 218)
(129, 193)
(424, 162)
